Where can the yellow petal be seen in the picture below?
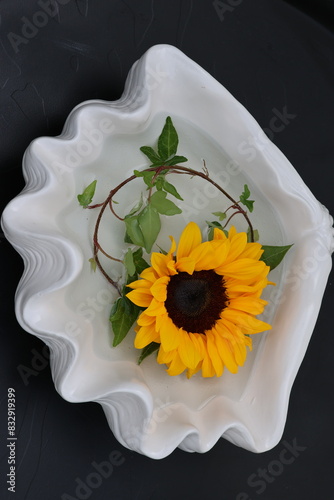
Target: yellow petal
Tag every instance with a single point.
(213, 352)
(149, 274)
(141, 297)
(172, 247)
(197, 339)
(203, 256)
(252, 251)
(146, 335)
(159, 289)
(232, 232)
(171, 269)
(200, 345)
(160, 263)
(250, 305)
(144, 320)
(218, 234)
(235, 290)
(230, 331)
(240, 353)
(140, 284)
(189, 355)
(242, 269)
(170, 335)
(246, 321)
(160, 320)
(221, 249)
(155, 308)
(176, 366)
(190, 373)
(190, 238)
(185, 265)
(238, 244)
(165, 357)
(207, 367)
(225, 350)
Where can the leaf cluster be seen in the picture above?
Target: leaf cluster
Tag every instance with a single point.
(86, 197)
(211, 228)
(244, 198)
(124, 312)
(273, 255)
(143, 223)
(168, 141)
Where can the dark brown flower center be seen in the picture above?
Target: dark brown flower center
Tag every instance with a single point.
(194, 302)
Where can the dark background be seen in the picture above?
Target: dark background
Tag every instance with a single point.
(269, 55)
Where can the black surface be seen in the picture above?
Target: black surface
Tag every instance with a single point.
(269, 55)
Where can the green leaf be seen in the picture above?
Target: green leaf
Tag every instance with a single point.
(244, 198)
(151, 154)
(175, 160)
(92, 264)
(256, 235)
(220, 215)
(147, 176)
(150, 225)
(129, 279)
(246, 192)
(86, 197)
(162, 205)
(211, 227)
(122, 316)
(162, 250)
(147, 350)
(249, 204)
(133, 231)
(159, 183)
(273, 255)
(168, 140)
(214, 224)
(129, 263)
(137, 207)
(127, 238)
(139, 262)
(169, 188)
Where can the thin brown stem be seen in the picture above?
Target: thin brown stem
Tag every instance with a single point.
(228, 220)
(106, 275)
(235, 207)
(100, 249)
(207, 178)
(97, 205)
(113, 211)
(177, 169)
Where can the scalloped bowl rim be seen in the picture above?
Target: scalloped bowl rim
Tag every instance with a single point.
(164, 80)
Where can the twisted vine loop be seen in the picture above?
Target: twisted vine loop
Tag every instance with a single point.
(158, 170)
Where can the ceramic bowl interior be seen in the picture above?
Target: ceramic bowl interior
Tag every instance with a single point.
(63, 302)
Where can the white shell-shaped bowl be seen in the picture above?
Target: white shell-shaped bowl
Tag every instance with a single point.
(61, 301)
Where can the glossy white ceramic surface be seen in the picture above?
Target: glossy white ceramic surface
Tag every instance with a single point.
(62, 302)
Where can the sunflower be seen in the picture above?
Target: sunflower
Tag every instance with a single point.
(201, 304)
